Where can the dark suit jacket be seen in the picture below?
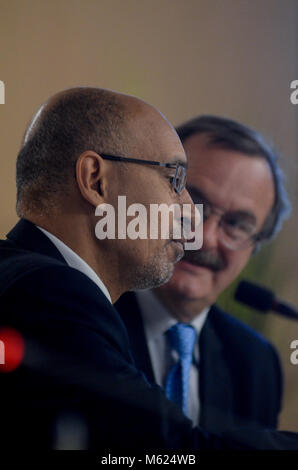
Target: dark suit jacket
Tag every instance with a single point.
(240, 381)
(77, 362)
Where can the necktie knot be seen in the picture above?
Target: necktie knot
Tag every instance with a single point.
(182, 338)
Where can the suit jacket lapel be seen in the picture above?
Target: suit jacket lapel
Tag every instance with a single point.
(214, 379)
(129, 310)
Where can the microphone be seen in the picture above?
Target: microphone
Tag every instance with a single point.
(263, 299)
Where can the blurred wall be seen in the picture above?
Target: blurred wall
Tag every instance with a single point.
(229, 57)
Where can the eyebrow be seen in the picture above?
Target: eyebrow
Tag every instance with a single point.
(198, 193)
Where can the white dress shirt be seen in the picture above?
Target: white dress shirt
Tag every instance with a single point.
(76, 262)
(157, 320)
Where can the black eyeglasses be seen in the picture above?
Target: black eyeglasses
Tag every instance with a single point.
(236, 230)
(178, 181)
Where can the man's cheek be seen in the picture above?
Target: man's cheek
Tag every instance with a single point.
(235, 265)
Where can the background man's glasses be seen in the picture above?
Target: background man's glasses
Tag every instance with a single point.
(178, 180)
(236, 231)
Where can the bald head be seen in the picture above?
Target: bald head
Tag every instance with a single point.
(71, 122)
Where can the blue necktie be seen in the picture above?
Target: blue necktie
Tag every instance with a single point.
(182, 338)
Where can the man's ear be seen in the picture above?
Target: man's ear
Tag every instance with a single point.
(90, 176)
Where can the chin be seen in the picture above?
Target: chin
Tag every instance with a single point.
(188, 286)
(154, 274)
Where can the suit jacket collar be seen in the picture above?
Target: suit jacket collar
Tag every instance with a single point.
(27, 236)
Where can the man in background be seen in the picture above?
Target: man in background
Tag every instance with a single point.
(234, 377)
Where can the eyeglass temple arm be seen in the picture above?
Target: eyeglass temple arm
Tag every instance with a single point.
(136, 160)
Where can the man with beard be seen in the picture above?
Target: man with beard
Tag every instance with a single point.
(233, 377)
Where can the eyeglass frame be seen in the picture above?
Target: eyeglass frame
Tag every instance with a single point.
(176, 165)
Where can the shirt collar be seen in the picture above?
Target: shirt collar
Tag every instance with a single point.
(158, 320)
(76, 262)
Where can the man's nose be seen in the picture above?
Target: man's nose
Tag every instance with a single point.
(210, 232)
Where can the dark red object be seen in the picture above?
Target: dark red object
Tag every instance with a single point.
(12, 348)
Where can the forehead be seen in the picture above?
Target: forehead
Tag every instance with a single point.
(230, 179)
(156, 139)
(168, 147)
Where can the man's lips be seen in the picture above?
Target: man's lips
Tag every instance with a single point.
(191, 268)
(210, 260)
